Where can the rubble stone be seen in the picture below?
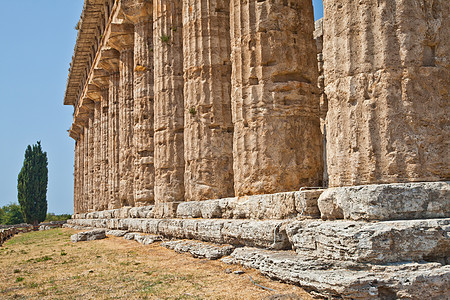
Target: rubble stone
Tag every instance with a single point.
(199, 249)
(96, 234)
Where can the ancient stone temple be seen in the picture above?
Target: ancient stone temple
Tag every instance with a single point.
(246, 123)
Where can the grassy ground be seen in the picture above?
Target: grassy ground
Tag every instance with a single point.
(46, 265)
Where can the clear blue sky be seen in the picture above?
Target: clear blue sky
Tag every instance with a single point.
(37, 40)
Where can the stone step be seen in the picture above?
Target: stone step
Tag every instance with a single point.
(347, 280)
(395, 201)
(263, 234)
(378, 242)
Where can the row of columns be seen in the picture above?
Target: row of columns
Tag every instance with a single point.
(212, 98)
(187, 111)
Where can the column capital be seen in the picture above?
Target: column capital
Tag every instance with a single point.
(109, 60)
(122, 36)
(138, 11)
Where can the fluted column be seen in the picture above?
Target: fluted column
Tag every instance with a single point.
(121, 39)
(387, 73)
(140, 12)
(97, 201)
(104, 157)
(91, 167)
(208, 133)
(113, 141)
(277, 139)
(82, 186)
(76, 179)
(169, 106)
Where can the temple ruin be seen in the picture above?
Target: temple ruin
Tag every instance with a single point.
(244, 122)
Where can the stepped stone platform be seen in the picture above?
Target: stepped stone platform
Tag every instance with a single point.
(366, 258)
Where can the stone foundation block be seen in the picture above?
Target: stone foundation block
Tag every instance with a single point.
(96, 234)
(379, 242)
(199, 249)
(259, 207)
(419, 200)
(349, 280)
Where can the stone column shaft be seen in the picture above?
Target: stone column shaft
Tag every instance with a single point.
(113, 141)
(208, 133)
(126, 127)
(144, 178)
(91, 167)
(86, 169)
(97, 205)
(169, 106)
(76, 178)
(387, 73)
(277, 139)
(104, 157)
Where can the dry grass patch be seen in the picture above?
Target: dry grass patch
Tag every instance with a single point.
(46, 265)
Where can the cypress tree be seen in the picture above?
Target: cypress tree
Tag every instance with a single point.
(32, 185)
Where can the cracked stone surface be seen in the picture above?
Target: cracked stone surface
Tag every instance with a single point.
(199, 249)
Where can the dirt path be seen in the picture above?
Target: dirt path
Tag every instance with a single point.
(46, 265)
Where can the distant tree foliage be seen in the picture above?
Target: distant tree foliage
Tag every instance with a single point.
(32, 185)
(11, 214)
(54, 217)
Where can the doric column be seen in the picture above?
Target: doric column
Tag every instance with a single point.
(208, 132)
(97, 201)
(101, 80)
(109, 61)
(76, 179)
(140, 12)
(104, 157)
(277, 139)
(86, 169)
(386, 77)
(91, 167)
(169, 106)
(121, 39)
(82, 186)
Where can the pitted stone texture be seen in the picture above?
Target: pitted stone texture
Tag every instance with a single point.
(199, 249)
(387, 201)
(126, 127)
(140, 13)
(208, 133)
(90, 163)
(104, 161)
(265, 234)
(350, 280)
(169, 106)
(147, 239)
(116, 233)
(277, 140)
(380, 242)
(97, 160)
(273, 206)
(387, 72)
(113, 142)
(96, 234)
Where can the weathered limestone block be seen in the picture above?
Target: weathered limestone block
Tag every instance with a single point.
(147, 239)
(265, 234)
(275, 104)
(140, 12)
(349, 280)
(387, 73)
(272, 206)
(96, 234)
(393, 201)
(199, 249)
(208, 132)
(169, 107)
(379, 242)
(116, 233)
